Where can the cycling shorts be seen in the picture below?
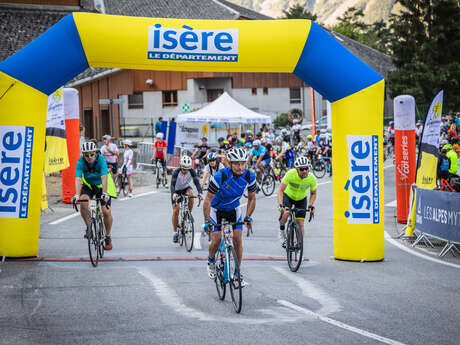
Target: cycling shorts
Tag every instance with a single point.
(266, 162)
(302, 204)
(232, 216)
(180, 192)
(92, 192)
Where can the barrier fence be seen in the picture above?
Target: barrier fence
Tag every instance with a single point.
(438, 216)
(144, 155)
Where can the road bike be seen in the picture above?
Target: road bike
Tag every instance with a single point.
(122, 182)
(95, 232)
(227, 267)
(186, 223)
(267, 185)
(321, 166)
(294, 238)
(160, 174)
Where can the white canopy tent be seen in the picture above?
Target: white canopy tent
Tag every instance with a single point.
(224, 110)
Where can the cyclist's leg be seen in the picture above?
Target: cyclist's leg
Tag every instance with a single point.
(85, 194)
(165, 171)
(300, 215)
(107, 213)
(215, 234)
(175, 215)
(238, 235)
(189, 192)
(287, 203)
(129, 173)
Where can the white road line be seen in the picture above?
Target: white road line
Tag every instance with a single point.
(414, 252)
(328, 303)
(391, 204)
(339, 323)
(138, 195)
(63, 219)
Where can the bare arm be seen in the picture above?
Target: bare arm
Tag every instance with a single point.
(104, 183)
(204, 179)
(207, 206)
(251, 203)
(312, 197)
(77, 185)
(281, 193)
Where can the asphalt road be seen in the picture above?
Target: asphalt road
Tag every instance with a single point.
(402, 300)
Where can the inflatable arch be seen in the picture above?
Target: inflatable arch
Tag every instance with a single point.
(302, 47)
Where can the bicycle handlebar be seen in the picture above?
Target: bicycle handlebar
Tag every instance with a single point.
(296, 209)
(87, 200)
(189, 197)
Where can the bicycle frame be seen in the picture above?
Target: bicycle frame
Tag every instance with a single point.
(226, 241)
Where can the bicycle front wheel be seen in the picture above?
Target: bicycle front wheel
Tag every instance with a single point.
(189, 231)
(100, 235)
(236, 290)
(319, 169)
(294, 247)
(93, 243)
(268, 185)
(220, 285)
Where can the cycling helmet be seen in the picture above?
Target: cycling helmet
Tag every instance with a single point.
(310, 136)
(108, 137)
(204, 139)
(88, 146)
(301, 162)
(263, 140)
(128, 142)
(259, 134)
(249, 132)
(447, 147)
(185, 162)
(221, 139)
(212, 156)
(237, 155)
(443, 142)
(160, 135)
(278, 139)
(392, 123)
(284, 131)
(322, 136)
(256, 143)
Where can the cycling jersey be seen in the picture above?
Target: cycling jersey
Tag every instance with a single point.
(180, 181)
(225, 146)
(212, 171)
(110, 157)
(92, 172)
(297, 187)
(128, 161)
(260, 151)
(161, 146)
(228, 189)
(202, 149)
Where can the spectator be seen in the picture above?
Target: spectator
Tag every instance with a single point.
(110, 152)
(82, 136)
(158, 125)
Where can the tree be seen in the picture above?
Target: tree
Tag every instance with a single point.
(426, 51)
(281, 120)
(298, 11)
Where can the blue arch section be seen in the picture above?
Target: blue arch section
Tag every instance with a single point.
(60, 47)
(330, 68)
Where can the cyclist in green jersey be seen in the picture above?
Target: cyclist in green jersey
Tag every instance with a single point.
(293, 191)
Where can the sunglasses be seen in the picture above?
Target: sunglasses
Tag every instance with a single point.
(303, 169)
(89, 155)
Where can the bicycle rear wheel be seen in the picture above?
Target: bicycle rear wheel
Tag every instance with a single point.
(93, 243)
(125, 185)
(268, 185)
(319, 169)
(294, 247)
(101, 235)
(220, 285)
(189, 231)
(236, 290)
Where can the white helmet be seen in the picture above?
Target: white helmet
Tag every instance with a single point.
(301, 162)
(256, 143)
(159, 135)
(237, 155)
(284, 131)
(322, 136)
(108, 137)
(185, 162)
(128, 142)
(88, 146)
(263, 140)
(278, 140)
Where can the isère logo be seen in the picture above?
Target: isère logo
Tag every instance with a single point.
(189, 44)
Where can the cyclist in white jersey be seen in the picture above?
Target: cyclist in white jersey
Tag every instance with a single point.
(128, 164)
(213, 166)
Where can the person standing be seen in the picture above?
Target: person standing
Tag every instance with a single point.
(110, 152)
(158, 125)
(128, 165)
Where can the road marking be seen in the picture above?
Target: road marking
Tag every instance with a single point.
(63, 219)
(391, 204)
(328, 303)
(169, 297)
(414, 252)
(339, 323)
(141, 258)
(138, 195)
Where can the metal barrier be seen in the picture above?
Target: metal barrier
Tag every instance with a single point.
(144, 156)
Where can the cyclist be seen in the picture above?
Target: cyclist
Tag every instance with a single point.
(391, 133)
(249, 137)
(310, 146)
(110, 152)
(257, 154)
(181, 185)
(213, 166)
(223, 202)
(293, 191)
(90, 181)
(159, 154)
(296, 128)
(285, 135)
(287, 154)
(128, 165)
(201, 152)
(453, 158)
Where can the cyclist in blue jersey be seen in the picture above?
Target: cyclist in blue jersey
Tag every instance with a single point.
(261, 157)
(223, 202)
(90, 181)
(287, 154)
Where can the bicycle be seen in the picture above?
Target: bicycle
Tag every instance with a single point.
(186, 224)
(267, 185)
(294, 239)
(160, 178)
(95, 232)
(227, 267)
(122, 182)
(321, 166)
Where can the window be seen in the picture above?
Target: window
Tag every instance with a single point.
(105, 122)
(213, 94)
(294, 95)
(254, 91)
(170, 98)
(265, 90)
(136, 100)
(88, 118)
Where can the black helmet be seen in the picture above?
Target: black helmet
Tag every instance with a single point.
(220, 139)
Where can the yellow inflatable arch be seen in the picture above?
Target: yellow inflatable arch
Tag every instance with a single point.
(302, 47)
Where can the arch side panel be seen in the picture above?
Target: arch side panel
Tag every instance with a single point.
(22, 139)
(158, 43)
(51, 60)
(357, 126)
(330, 68)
